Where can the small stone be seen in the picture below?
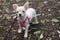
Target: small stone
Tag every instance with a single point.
(51, 0)
(58, 2)
(59, 35)
(58, 31)
(41, 36)
(58, 10)
(0, 10)
(49, 10)
(45, 2)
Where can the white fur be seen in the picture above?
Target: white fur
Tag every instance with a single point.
(31, 13)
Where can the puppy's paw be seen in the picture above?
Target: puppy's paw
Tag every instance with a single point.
(19, 30)
(25, 36)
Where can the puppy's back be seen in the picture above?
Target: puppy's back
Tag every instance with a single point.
(31, 12)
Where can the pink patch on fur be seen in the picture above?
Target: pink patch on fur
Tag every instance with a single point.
(27, 18)
(21, 23)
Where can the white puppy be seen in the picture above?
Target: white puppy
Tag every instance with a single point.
(25, 15)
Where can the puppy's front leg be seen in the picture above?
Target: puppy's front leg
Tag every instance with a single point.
(26, 30)
(20, 28)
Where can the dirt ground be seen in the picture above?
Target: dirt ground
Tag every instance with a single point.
(49, 20)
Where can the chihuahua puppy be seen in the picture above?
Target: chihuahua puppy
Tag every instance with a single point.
(25, 16)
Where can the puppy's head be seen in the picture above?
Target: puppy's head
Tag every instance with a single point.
(22, 9)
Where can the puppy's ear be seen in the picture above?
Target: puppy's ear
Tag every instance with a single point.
(26, 5)
(15, 6)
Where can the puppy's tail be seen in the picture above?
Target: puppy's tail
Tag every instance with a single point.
(38, 14)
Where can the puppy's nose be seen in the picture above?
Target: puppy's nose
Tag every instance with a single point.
(19, 14)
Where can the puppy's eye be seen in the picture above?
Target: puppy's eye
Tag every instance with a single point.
(23, 11)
